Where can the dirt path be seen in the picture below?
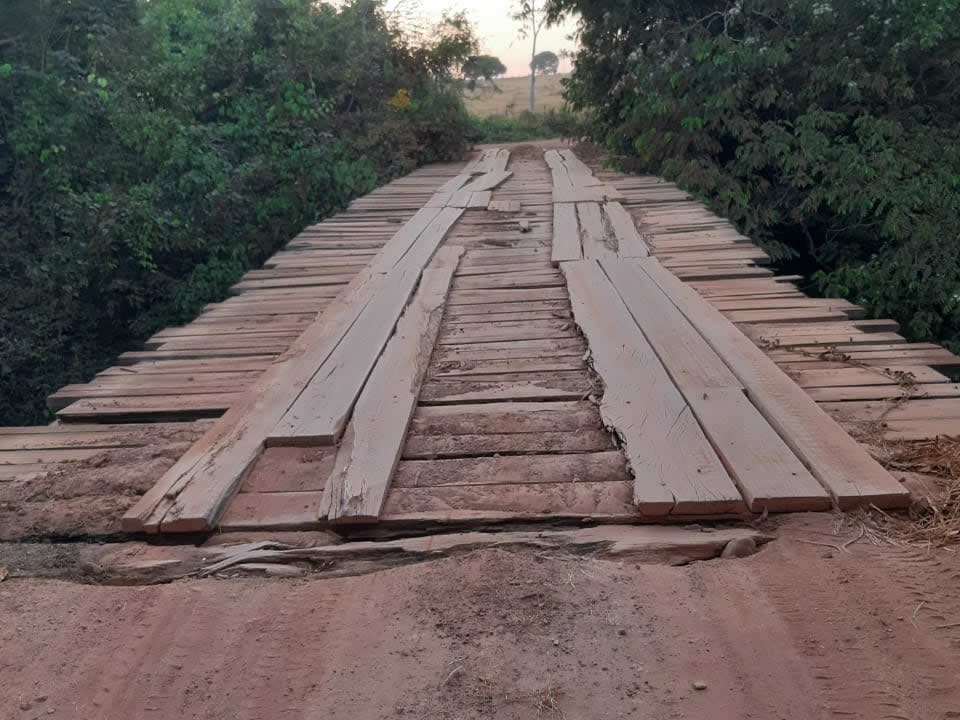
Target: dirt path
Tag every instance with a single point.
(797, 631)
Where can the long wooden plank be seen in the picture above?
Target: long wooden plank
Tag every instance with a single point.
(219, 459)
(593, 232)
(765, 470)
(844, 468)
(190, 496)
(675, 468)
(374, 439)
(629, 242)
(320, 413)
(566, 234)
(487, 181)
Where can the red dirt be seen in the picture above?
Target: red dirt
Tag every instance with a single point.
(797, 631)
(88, 497)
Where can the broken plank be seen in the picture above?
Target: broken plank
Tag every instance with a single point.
(593, 232)
(629, 242)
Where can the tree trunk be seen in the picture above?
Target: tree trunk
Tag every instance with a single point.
(533, 72)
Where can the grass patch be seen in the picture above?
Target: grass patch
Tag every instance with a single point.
(514, 96)
(525, 126)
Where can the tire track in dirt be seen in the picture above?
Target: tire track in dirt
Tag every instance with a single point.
(870, 656)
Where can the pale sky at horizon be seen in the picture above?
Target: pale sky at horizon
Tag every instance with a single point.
(498, 32)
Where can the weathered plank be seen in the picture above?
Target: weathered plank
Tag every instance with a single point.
(765, 470)
(191, 495)
(596, 238)
(629, 242)
(371, 448)
(566, 234)
(844, 468)
(320, 413)
(540, 443)
(606, 466)
(487, 181)
(675, 468)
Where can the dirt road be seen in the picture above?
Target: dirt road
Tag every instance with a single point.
(798, 630)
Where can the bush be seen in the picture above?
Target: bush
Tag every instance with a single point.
(152, 152)
(829, 131)
(525, 126)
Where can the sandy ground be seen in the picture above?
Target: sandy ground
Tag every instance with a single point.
(798, 630)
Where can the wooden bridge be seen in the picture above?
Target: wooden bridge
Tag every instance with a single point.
(518, 337)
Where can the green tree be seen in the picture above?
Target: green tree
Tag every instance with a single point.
(487, 67)
(150, 152)
(545, 63)
(829, 131)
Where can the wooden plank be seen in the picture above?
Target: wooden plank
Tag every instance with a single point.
(867, 376)
(596, 193)
(765, 470)
(844, 468)
(320, 413)
(541, 443)
(912, 409)
(513, 470)
(155, 407)
(629, 242)
(504, 206)
(515, 417)
(593, 233)
(520, 501)
(566, 234)
(371, 448)
(574, 386)
(675, 468)
(883, 392)
(454, 183)
(487, 181)
(515, 366)
(190, 496)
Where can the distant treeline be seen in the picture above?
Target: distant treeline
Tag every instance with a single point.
(150, 152)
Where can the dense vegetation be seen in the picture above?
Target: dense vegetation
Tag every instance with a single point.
(525, 126)
(827, 129)
(152, 151)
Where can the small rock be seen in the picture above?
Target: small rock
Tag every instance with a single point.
(699, 685)
(50, 711)
(739, 548)
(708, 529)
(25, 705)
(556, 642)
(40, 698)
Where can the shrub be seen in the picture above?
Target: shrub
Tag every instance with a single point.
(525, 126)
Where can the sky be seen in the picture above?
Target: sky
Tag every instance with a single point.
(498, 32)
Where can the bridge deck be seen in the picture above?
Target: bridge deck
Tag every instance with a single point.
(640, 401)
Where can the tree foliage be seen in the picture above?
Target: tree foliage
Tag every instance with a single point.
(150, 152)
(545, 63)
(827, 129)
(487, 67)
